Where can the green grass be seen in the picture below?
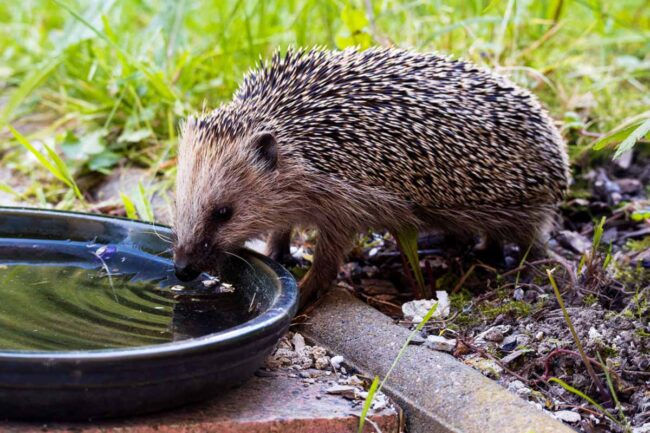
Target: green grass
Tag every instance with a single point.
(106, 82)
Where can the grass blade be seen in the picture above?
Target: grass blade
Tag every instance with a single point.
(366, 405)
(9, 190)
(129, 207)
(33, 79)
(417, 329)
(574, 334)
(146, 203)
(408, 244)
(583, 396)
(63, 169)
(642, 131)
(39, 156)
(155, 78)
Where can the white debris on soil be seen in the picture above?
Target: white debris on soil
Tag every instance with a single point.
(313, 365)
(337, 361)
(177, 288)
(594, 335)
(416, 310)
(292, 351)
(645, 428)
(567, 416)
(443, 344)
(519, 388)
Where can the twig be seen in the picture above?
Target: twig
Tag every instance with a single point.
(556, 260)
(495, 359)
(554, 354)
(464, 278)
(379, 301)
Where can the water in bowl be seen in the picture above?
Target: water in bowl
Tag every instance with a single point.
(63, 295)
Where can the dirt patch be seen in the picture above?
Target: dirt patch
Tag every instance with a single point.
(505, 320)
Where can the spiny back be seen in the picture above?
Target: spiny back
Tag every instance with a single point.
(440, 132)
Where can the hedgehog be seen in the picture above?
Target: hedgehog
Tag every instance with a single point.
(353, 140)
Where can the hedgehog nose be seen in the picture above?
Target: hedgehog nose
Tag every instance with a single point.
(184, 271)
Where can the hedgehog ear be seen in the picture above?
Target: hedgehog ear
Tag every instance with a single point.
(266, 150)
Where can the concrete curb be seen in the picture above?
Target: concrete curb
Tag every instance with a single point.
(437, 393)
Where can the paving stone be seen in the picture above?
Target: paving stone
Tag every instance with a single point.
(263, 404)
(437, 393)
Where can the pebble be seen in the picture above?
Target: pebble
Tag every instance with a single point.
(298, 342)
(417, 340)
(353, 380)
(346, 391)
(567, 416)
(443, 344)
(574, 241)
(539, 336)
(511, 342)
(518, 294)
(495, 333)
(337, 361)
(379, 402)
(514, 355)
(629, 186)
(322, 362)
(519, 388)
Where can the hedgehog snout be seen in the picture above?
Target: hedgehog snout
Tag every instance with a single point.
(184, 269)
(190, 262)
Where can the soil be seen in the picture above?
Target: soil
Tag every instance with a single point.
(505, 319)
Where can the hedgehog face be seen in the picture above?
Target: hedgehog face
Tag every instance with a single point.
(224, 191)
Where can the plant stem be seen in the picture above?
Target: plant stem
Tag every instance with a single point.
(581, 350)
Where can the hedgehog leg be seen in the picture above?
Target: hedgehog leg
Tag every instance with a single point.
(279, 245)
(330, 251)
(529, 230)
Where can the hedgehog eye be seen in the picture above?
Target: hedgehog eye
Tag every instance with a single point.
(222, 214)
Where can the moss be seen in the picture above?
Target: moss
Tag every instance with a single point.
(447, 282)
(513, 308)
(590, 300)
(641, 333)
(608, 351)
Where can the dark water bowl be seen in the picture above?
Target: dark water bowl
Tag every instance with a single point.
(83, 384)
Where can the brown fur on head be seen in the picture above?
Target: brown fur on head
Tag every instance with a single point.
(232, 185)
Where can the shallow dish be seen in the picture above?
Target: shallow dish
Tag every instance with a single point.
(82, 384)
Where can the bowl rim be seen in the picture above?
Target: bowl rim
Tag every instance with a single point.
(277, 315)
